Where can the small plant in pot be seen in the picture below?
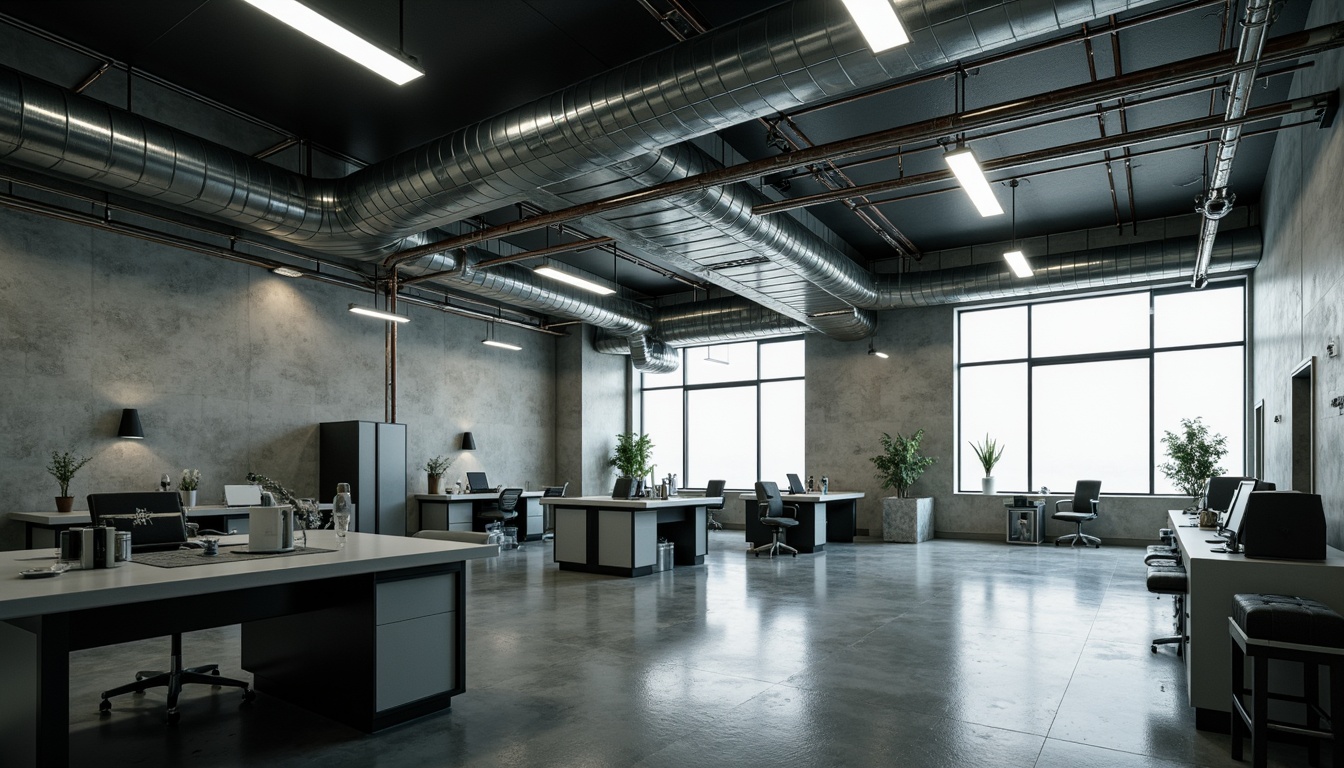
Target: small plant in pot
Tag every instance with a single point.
(188, 485)
(989, 452)
(434, 469)
(900, 464)
(631, 458)
(63, 467)
(1194, 455)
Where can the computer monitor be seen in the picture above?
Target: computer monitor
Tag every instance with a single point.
(477, 483)
(795, 485)
(1236, 511)
(1218, 494)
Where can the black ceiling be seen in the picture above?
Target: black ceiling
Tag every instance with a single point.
(485, 56)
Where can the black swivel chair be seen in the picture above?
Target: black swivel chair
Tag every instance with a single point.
(1082, 507)
(714, 488)
(771, 508)
(555, 492)
(163, 532)
(505, 509)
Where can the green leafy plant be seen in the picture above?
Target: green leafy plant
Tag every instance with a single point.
(191, 480)
(632, 454)
(437, 466)
(63, 467)
(900, 463)
(1194, 455)
(989, 453)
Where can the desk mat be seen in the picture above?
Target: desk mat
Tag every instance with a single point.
(181, 558)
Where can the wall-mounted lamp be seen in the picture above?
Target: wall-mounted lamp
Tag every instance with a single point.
(872, 352)
(468, 441)
(130, 425)
(1277, 419)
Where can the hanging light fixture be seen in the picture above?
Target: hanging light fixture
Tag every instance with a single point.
(340, 39)
(491, 341)
(1015, 258)
(391, 317)
(547, 270)
(877, 20)
(972, 179)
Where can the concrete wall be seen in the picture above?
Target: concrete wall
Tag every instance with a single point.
(232, 369)
(1299, 286)
(592, 394)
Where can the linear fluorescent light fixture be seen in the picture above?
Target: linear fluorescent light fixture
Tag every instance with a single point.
(339, 39)
(287, 272)
(501, 344)
(878, 22)
(1018, 263)
(574, 280)
(392, 317)
(967, 170)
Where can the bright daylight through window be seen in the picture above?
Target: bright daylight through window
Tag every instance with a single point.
(1086, 388)
(731, 412)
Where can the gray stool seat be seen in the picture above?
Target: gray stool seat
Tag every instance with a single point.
(1286, 628)
(1171, 580)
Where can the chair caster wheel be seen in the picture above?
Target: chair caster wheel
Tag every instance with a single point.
(249, 696)
(104, 706)
(1154, 649)
(172, 717)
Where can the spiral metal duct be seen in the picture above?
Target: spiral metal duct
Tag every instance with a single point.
(716, 321)
(652, 356)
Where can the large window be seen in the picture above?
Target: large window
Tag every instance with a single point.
(731, 412)
(1086, 388)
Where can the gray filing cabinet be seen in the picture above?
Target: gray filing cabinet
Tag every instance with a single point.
(371, 457)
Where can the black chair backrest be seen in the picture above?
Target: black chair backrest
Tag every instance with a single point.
(715, 488)
(1083, 494)
(555, 490)
(768, 501)
(508, 499)
(166, 525)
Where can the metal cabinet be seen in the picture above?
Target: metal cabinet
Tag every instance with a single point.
(1026, 523)
(371, 457)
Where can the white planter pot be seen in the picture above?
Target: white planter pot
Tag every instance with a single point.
(188, 498)
(987, 485)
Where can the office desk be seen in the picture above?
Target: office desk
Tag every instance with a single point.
(822, 517)
(1214, 578)
(599, 534)
(457, 512)
(230, 517)
(396, 604)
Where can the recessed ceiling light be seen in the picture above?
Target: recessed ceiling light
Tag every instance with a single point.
(287, 272)
(340, 39)
(501, 344)
(1018, 263)
(878, 22)
(967, 170)
(392, 317)
(574, 280)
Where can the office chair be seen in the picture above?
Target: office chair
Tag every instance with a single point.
(504, 510)
(164, 532)
(712, 489)
(552, 491)
(1082, 507)
(771, 509)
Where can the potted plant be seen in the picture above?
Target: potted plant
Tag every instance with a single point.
(631, 458)
(187, 486)
(435, 468)
(989, 452)
(1194, 455)
(63, 467)
(899, 466)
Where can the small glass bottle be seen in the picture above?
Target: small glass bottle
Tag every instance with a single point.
(341, 509)
(825, 484)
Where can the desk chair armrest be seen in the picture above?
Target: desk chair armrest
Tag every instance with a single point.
(793, 507)
(1095, 503)
(1064, 501)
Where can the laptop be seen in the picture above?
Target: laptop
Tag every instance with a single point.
(795, 484)
(476, 482)
(242, 496)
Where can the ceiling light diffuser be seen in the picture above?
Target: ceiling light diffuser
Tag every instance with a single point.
(878, 22)
(378, 313)
(574, 280)
(1018, 263)
(967, 170)
(501, 344)
(340, 39)
(287, 272)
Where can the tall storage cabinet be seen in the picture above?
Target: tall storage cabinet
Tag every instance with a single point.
(371, 457)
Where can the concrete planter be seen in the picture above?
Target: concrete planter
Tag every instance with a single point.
(907, 520)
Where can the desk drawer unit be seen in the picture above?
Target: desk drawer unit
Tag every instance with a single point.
(414, 639)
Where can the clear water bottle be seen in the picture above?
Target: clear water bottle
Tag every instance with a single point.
(342, 507)
(825, 484)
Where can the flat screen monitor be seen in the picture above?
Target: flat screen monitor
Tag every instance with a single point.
(1236, 512)
(477, 483)
(795, 485)
(1219, 493)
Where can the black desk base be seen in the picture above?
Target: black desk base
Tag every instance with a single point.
(839, 522)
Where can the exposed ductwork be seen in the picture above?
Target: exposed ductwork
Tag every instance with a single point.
(1217, 201)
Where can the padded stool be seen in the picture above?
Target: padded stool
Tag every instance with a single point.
(1267, 627)
(1159, 552)
(1171, 580)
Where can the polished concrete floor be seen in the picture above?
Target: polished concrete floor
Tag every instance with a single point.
(947, 653)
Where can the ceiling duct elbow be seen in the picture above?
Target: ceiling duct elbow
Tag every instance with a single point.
(652, 356)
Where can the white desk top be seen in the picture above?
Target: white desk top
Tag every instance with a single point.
(81, 517)
(1195, 544)
(471, 496)
(610, 503)
(135, 582)
(816, 498)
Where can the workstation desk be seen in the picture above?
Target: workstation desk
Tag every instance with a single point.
(458, 512)
(599, 534)
(822, 517)
(215, 516)
(396, 604)
(1214, 578)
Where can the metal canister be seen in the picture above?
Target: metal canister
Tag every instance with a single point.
(72, 545)
(123, 547)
